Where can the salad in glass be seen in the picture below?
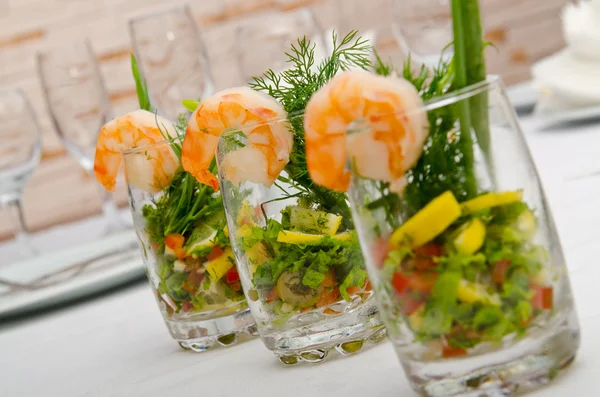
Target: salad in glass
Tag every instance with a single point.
(295, 243)
(181, 228)
(460, 246)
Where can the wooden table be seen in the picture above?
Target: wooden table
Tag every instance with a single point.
(118, 345)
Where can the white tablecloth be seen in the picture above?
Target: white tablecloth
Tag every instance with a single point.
(118, 345)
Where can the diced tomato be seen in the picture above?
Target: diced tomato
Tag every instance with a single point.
(353, 290)
(424, 256)
(499, 271)
(525, 323)
(187, 306)
(430, 250)
(449, 351)
(194, 278)
(272, 295)
(214, 253)
(330, 312)
(232, 275)
(189, 288)
(328, 296)
(400, 282)
(409, 303)
(329, 280)
(368, 286)
(422, 281)
(379, 251)
(236, 286)
(175, 242)
(542, 297)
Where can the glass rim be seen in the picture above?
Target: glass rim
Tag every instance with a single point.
(181, 8)
(492, 81)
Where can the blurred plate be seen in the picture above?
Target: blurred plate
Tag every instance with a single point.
(69, 274)
(574, 81)
(522, 96)
(550, 119)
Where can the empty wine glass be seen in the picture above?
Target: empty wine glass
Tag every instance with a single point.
(423, 29)
(20, 149)
(172, 59)
(261, 42)
(78, 105)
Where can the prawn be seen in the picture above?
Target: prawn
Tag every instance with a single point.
(138, 128)
(261, 118)
(390, 107)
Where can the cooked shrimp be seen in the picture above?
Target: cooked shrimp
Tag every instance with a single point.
(269, 143)
(397, 128)
(153, 169)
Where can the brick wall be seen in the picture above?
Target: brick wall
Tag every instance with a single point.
(59, 191)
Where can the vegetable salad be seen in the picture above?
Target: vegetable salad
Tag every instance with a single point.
(467, 273)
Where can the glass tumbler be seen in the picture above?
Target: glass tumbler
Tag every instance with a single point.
(172, 58)
(465, 261)
(189, 262)
(299, 262)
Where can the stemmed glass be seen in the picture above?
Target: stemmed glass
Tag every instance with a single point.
(423, 29)
(172, 58)
(262, 41)
(20, 149)
(78, 105)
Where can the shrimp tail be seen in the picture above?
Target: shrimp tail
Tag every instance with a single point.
(323, 168)
(106, 162)
(197, 153)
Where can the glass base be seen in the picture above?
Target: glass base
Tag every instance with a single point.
(346, 334)
(202, 335)
(525, 366)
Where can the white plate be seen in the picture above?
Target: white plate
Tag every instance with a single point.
(522, 96)
(574, 81)
(69, 274)
(550, 119)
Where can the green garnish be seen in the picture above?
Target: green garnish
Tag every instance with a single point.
(193, 210)
(140, 86)
(293, 88)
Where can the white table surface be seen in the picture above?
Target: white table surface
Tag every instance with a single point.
(118, 346)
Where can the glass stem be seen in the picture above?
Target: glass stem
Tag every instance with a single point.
(21, 232)
(110, 211)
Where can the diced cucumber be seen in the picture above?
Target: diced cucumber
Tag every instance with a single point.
(311, 221)
(527, 224)
(470, 292)
(179, 266)
(200, 241)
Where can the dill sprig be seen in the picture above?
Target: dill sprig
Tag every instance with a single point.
(185, 201)
(294, 87)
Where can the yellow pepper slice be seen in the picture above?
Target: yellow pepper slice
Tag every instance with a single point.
(290, 237)
(221, 265)
(489, 200)
(429, 222)
(470, 237)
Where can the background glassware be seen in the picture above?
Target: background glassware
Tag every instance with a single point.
(484, 364)
(261, 41)
(78, 105)
(172, 59)
(20, 150)
(423, 29)
(199, 311)
(296, 321)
